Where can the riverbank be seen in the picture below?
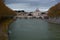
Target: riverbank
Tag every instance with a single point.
(53, 20)
(4, 29)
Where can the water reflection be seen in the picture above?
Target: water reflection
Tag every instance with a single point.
(34, 29)
(54, 30)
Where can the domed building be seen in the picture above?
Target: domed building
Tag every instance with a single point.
(36, 13)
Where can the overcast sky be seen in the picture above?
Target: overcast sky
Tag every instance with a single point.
(31, 5)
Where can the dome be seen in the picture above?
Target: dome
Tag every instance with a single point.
(37, 10)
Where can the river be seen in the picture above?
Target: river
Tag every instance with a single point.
(33, 29)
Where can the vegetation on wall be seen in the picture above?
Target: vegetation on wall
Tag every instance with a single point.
(54, 11)
(5, 11)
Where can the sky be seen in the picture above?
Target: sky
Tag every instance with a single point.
(31, 5)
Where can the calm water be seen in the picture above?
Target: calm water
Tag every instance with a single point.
(33, 29)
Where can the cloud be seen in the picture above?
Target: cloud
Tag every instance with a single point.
(28, 1)
(30, 4)
(24, 6)
(18, 5)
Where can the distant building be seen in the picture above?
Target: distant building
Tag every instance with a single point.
(36, 13)
(21, 13)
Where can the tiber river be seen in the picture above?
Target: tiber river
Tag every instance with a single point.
(33, 29)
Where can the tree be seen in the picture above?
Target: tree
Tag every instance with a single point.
(54, 11)
(5, 11)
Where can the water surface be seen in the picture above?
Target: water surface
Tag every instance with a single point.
(33, 29)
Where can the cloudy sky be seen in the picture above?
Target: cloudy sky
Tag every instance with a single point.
(30, 5)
